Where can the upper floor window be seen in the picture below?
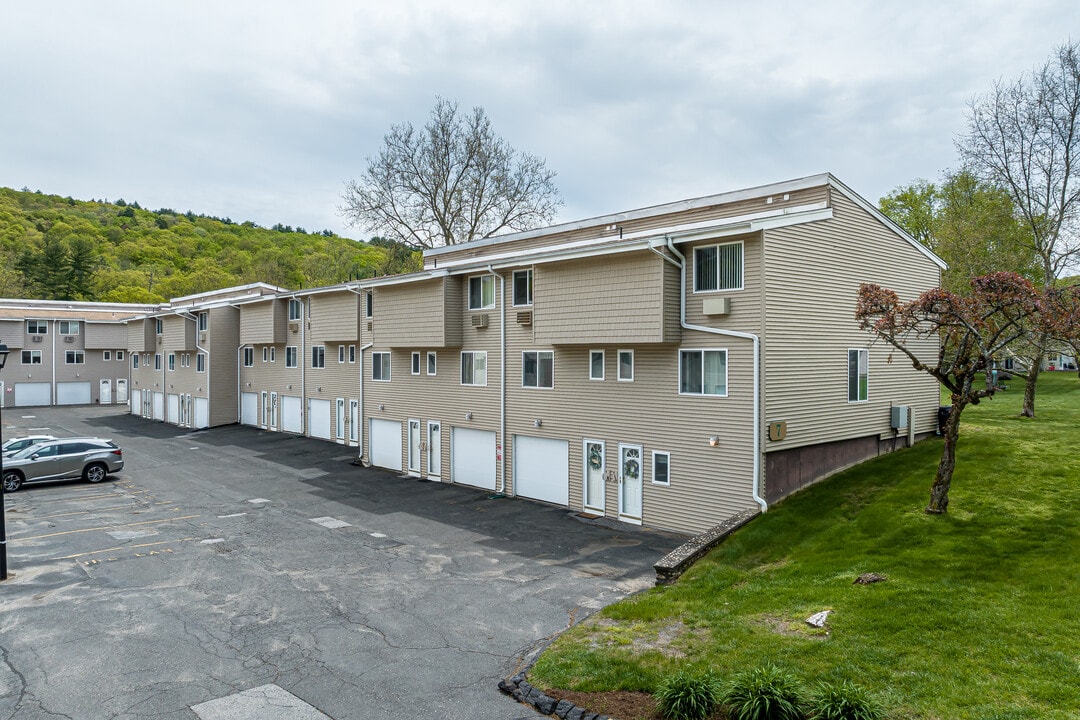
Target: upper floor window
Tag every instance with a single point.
(31, 357)
(185, 360)
(295, 309)
(596, 364)
(718, 267)
(249, 357)
(157, 361)
(626, 365)
(318, 356)
(481, 292)
(69, 327)
(134, 360)
(204, 319)
(538, 369)
(290, 356)
(352, 353)
(172, 362)
(200, 362)
(37, 327)
(380, 366)
(74, 357)
(474, 368)
(107, 355)
(416, 363)
(341, 354)
(119, 354)
(431, 358)
(266, 353)
(703, 372)
(273, 354)
(369, 304)
(858, 375)
(158, 326)
(523, 287)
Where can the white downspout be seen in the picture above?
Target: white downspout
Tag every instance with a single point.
(502, 378)
(757, 370)
(305, 308)
(360, 430)
(239, 402)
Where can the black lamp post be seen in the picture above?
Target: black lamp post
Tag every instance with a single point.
(3, 511)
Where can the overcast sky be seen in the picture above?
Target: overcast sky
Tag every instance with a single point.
(262, 110)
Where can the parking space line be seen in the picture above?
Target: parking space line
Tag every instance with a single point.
(121, 547)
(106, 527)
(82, 512)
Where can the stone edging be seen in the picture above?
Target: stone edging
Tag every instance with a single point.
(671, 566)
(519, 688)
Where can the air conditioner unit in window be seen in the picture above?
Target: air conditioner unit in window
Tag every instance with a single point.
(159, 340)
(202, 338)
(294, 327)
(69, 339)
(524, 317)
(35, 338)
(480, 321)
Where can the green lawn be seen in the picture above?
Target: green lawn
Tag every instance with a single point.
(979, 617)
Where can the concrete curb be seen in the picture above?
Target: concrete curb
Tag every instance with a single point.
(676, 562)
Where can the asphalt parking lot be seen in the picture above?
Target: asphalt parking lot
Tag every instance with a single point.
(232, 570)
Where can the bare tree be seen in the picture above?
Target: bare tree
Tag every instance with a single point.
(452, 181)
(1024, 136)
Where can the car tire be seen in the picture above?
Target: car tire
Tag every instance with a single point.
(12, 481)
(95, 473)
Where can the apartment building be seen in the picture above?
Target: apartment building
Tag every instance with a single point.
(65, 353)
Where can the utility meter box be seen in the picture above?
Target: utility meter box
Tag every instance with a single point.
(898, 417)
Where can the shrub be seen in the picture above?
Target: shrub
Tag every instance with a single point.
(763, 693)
(686, 696)
(844, 701)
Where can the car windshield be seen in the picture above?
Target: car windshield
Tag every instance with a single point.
(26, 452)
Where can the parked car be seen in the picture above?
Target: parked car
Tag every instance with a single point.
(14, 445)
(89, 458)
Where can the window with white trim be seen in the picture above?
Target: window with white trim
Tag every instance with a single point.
(290, 356)
(157, 361)
(718, 267)
(318, 356)
(538, 369)
(204, 321)
(415, 363)
(703, 372)
(474, 367)
(75, 357)
(341, 354)
(661, 467)
(31, 357)
(482, 292)
(858, 375)
(596, 364)
(369, 304)
(106, 355)
(249, 357)
(380, 366)
(134, 360)
(159, 326)
(68, 327)
(273, 354)
(200, 362)
(431, 361)
(120, 355)
(171, 362)
(626, 366)
(523, 287)
(266, 353)
(296, 309)
(185, 360)
(352, 353)
(37, 327)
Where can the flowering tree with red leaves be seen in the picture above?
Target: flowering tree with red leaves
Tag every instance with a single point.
(972, 330)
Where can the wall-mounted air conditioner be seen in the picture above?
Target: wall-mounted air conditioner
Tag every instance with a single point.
(898, 417)
(524, 317)
(69, 339)
(480, 321)
(35, 338)
(716, 306)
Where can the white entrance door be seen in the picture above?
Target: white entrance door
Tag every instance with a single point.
(249, 408)
(292, 414)
(384, 444)
(105, 393)
(339, 419)
(414, 447)
(121, 390)
(630, 484)
(273, 411)
(472, 457)
(136, 402)
(434, 450)
(202, 413)
(542, 469)
(264, 409)
(595, 467)
(319, 418)
(354, 422)
(185, 411)
(173, 401)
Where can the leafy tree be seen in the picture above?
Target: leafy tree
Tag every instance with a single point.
(914, 207)
(452, 181)
(1024, 136)
(970, 331)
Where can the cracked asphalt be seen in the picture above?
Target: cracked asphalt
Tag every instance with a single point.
(166, 586)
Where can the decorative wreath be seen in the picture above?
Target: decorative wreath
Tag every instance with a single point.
(595, 461)
(630, 469)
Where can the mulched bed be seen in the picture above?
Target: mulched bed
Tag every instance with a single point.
(619, 704)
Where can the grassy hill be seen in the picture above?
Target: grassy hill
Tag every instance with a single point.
(977, 620)
(59, 248)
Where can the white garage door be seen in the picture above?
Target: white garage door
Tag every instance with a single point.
(202, 413)
(472, 457)
(542, 469)
(73, 393)
(33, 394)
(136, 402)
(384, 444)
(292, 419)
(172, 403)
(249, 409)
(319, 418)
(159, 406)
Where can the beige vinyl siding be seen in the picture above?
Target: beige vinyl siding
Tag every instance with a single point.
(336, 380)
(745, 315)
(334, 316)
(12, 333)
(264, 322)
(814, 272)
(603, 231)
(614, 299)
(178, 334)
(104, 336)
(141, 336)
(223, 340)
(420, 313)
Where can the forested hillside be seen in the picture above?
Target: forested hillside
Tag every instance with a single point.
(59, 248)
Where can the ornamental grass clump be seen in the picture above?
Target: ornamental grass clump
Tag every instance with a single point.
(688, 696)
(844, 701)
(764, 693)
